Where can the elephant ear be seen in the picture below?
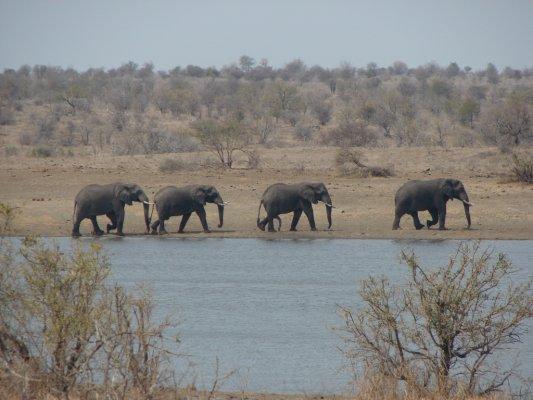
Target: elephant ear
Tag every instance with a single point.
(200, 196)
(447, 189)
(307, 193)
(125, 196)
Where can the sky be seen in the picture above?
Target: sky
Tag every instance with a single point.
(96, 33)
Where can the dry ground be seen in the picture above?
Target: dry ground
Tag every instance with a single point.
(503, 209)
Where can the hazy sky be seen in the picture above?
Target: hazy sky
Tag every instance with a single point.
(94, 33)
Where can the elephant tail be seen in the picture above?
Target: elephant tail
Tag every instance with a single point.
(74, 211)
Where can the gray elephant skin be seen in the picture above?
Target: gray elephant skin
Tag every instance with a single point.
(174, 201)
(109, 200)
(432, 196)
(282, 198)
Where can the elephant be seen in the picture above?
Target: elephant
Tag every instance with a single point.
(94, 200)
(431, 195)
(173, 201)
(282, 198)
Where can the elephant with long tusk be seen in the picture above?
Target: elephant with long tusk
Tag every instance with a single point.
(109, 200)
(432, 196)
(173, 201)
(281, 198)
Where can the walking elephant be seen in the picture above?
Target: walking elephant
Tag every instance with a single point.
(281, 198)
(173, 201)
(109, 200)
(432, 196)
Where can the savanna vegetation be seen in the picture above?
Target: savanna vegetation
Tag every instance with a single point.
(134, 109)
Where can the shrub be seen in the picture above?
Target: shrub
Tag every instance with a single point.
(42, 151)
(171, 165)
(522, 168)
(303, 132)
(26, 139)
(11, 150)
(64, 327)
(7, 215)
(254, 159)
(349, 162)
(350, 131)
(441, 331)
(7, 117)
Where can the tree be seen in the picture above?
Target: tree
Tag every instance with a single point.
(509, 123)
(453, 70)
(442, 330)
(283, 97)
(492, 74)
(399, 68)
(468, 109)
(222, 138)
(246, 63)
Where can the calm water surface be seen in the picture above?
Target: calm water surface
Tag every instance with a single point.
(267, 307)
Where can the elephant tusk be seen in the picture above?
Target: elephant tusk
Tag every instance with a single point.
(329, 205)
(224, 203)
(468, 203)
(149, 203)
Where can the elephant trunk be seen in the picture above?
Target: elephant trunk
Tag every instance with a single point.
(329, 206)
(220, 215)
(220, 204)
(466, 204)
(146, 208)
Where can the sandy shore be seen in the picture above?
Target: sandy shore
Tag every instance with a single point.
(44, 190)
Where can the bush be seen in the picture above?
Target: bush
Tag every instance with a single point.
(522, 168)
(42, 151)
(26, 139)
(11, 151)
(442, 331)
(171, 165)
(350, 131)
(7, 215)
(254, 159)
(63, 326)
(348, 162)
(7, 117)
(303, 132)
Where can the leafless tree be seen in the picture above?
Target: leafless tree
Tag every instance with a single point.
(444, 329)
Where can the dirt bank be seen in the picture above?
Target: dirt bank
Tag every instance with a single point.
(44, 190)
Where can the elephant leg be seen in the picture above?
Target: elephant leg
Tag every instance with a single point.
(96, 229)
(76, 227)
(271, 224)
(308, 210)
(442, 217)
(295, 218)
(416, 221)
(162, 230)
(120, 221)
(203, 219)
(263, 223)
(183, 222)
(113, 224)
(434, 217)
(397, 216)
(154, 226)
(279, 223)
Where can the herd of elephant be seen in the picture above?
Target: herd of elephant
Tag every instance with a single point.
(280, 198)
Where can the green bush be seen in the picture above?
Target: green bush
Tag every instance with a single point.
(11, 151)
(42, 151)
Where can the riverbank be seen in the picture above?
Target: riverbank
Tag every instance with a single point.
(43, 189)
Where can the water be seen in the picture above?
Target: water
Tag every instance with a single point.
(267, 307)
